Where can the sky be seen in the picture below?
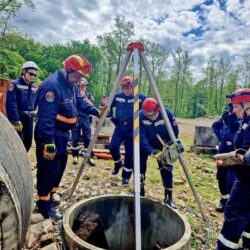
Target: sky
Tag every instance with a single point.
(203, 28)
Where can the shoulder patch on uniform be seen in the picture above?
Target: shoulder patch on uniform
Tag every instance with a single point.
(11, 87)
(49, 96)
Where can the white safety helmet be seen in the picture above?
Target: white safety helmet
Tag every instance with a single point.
(29, 65)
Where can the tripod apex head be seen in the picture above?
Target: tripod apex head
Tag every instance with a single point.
(135, 45)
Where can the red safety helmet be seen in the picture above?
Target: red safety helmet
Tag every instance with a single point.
(127, 80)
(79, 64)
(150, 106)
(240, 95)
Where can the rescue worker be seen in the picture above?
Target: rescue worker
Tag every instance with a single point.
(20, 103)
(58, 103)
(151, 124)
(237, 209)
(123, 121)
(225, 129)
(83, 124)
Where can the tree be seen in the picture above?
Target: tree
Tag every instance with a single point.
(10, 64)
(157, 56)
(223, 70)
(181, 76)
(210, 85)
(244, 70)
(8, 10)
(113, 46)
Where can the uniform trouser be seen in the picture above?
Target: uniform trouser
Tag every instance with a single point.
(50, 172)
(225, 177)
(236, 218)
(165, 171)
(83, 126)
(27, 133)
(123, 134)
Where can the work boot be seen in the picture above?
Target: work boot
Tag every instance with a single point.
(55, 199)
(54, 215)
(221, 206)
(125, 181)
(116, 168)
(75, 160)
(168, 198)
(91, 163)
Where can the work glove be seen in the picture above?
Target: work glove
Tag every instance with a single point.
(18, 126)
(102, 110)
(157, 154)
(49, 151)
(229, 159)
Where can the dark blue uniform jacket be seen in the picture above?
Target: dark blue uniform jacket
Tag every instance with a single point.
(225, 129)
(242, 140)
(58, 102)
(124, 108)
(20, 99)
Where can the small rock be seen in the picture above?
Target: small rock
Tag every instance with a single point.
(180, 203)
(94, 193)
(86, 194)
(36, 218)
(179, 182)
(122, 193)
(47, 226)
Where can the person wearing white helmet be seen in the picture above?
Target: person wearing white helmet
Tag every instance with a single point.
(20, 102)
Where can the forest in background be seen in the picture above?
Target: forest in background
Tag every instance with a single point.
(187, 97)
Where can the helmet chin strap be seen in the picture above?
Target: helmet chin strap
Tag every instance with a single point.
(24, 77)
(68, 71)
(245, 110)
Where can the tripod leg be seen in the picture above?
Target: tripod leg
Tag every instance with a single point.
(170, 131)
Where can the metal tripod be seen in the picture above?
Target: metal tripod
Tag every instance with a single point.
(137, 49)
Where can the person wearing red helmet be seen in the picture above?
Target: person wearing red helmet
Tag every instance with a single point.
(152, 125)
(237, 210)
(58, 104)
(123, 119)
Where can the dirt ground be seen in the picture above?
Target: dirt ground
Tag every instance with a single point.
(98, 180)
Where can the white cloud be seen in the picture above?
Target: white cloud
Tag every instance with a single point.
(221, 31)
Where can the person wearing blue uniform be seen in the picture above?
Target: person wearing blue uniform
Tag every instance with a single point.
(20, 103)
(151, 125)
(83, 124)
(123, 120)
(225, 129)
(58, 103)
(237, 210)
